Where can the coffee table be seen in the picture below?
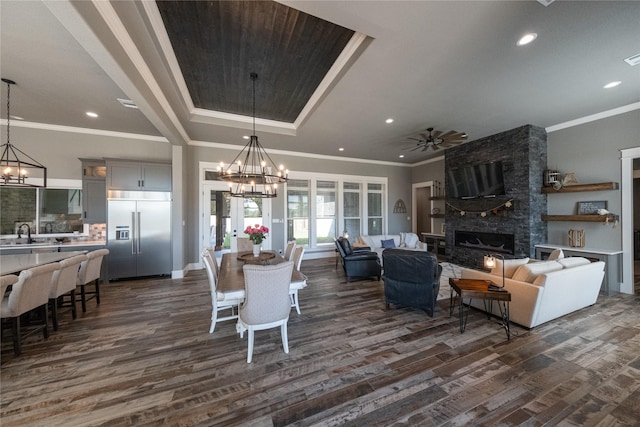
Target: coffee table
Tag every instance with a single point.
(474, 288)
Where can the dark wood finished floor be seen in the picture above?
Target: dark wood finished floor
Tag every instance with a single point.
(145, 357)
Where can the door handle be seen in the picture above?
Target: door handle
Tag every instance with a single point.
(133, 232)
(138, 233)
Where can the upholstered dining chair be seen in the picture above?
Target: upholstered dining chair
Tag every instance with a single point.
(288, 251)
(89, 274)
(298, 254)
(64, 282)
(244, 244)
(266, 303)
(29, 292)
(214, 260)
(219, 300)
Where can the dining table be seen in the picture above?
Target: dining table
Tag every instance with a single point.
(15, 263)
(231, 278)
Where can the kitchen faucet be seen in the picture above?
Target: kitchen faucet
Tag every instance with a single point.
(29, 239)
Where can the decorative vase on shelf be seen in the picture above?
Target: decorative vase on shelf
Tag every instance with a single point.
(256, 250)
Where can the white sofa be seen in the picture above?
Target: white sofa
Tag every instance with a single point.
(408, 241)
(545, 290)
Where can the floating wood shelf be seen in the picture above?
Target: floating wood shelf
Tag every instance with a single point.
(602, 186)
(583, 218)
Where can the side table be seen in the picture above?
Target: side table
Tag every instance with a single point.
(473, 288)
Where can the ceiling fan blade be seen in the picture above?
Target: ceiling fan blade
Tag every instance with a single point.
(448, 134)
(417, 139)
(457, 135)
(435, 146)
(424, 136)
(437, 133)
(416, 148)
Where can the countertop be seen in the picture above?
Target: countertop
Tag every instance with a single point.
(49, 245)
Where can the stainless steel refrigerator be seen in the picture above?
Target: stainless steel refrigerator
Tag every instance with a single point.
(138, 233)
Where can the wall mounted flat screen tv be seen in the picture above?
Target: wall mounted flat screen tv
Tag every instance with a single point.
(475, 181)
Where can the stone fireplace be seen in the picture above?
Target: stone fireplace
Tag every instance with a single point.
(523, 152)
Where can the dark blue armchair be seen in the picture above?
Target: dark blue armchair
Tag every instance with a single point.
(358, 263)
(411, 278)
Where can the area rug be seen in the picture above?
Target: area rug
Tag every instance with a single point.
(448, 270)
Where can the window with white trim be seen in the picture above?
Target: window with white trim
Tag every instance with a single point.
(321, 207)
(298, 211)
(374, 209)
(351, 209)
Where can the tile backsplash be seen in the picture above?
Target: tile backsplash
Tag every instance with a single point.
(96, 231)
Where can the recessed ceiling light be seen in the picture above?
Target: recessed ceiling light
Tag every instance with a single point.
(389, 120)
(340, 149)
(127, 103)
(92, 114)
(245, 137)
(526, 39)
(612, 84)
(401, 156)
(633, 60)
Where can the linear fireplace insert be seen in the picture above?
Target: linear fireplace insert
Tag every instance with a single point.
(487, 242)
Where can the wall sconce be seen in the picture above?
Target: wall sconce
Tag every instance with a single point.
(490, 263)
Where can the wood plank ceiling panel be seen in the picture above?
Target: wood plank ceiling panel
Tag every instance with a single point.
(219, 43)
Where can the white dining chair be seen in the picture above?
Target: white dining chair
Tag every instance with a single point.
(244, 244)
(298, 254)
(216, 266)
(64, 282)
(288, 251)
(29, 292)
(266, 304)
(219, 300)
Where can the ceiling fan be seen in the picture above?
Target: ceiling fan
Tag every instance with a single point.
(436, 140)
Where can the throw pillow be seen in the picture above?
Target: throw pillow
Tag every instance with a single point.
(530, 272)
(411, 239)
(556, 254)
(510, 266)
(387, 244)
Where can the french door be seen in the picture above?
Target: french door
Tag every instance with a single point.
(224, 218)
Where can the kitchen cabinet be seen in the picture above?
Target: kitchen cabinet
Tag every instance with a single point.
(138, 176)
(94, 191)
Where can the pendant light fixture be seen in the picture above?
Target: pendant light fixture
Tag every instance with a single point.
(252, 173)
(16, 171)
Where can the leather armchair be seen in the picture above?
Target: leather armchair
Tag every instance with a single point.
(411, 279)
(358, 263)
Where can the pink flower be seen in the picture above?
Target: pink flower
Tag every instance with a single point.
(256, 233)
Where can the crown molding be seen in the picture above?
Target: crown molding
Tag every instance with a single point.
(300, 154)
(594, 117)
(86, 131)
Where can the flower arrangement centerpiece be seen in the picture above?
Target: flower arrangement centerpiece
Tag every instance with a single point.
(257, 233)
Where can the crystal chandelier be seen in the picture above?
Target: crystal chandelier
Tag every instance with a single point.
(16, 171)
(252, 173)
